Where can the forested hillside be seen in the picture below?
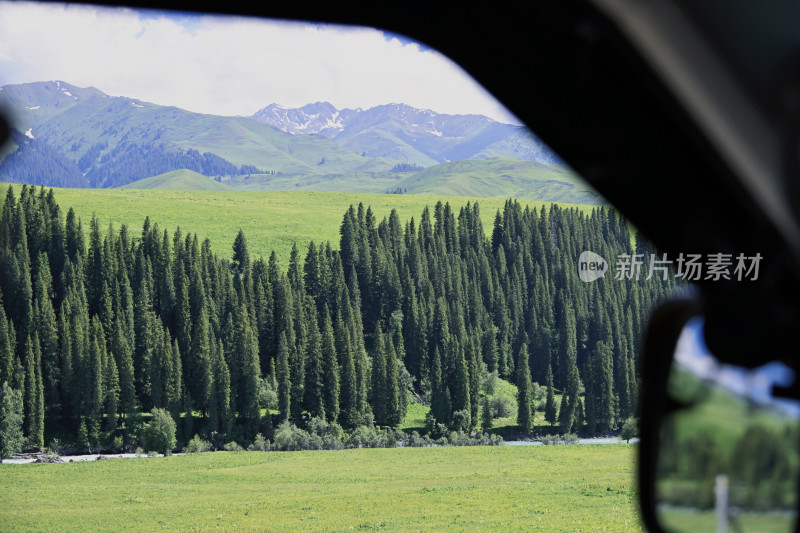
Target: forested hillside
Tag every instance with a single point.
(120, 165)
(98, 325)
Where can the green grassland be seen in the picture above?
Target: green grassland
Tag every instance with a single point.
(533, 488)
(270, 220)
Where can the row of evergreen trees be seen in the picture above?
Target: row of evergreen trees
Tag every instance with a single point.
(128, 162)
(96, 332)
(33, 158)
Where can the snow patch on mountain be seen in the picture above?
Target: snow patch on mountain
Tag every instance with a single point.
(404, 133)
(318, 118)
(29, 133)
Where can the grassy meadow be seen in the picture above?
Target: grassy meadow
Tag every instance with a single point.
(534, 488)
(270, 220)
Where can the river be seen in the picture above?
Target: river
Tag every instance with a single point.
(94, 457)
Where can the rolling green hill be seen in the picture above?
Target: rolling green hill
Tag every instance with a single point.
(502, 177)
(180, 180)
(496, 177)
(354, 181)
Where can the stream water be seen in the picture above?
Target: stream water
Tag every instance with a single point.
(94, 457)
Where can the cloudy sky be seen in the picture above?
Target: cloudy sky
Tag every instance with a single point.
(226, 65)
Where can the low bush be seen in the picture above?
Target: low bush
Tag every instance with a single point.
(291, 438)
(233, 446)
(461, 420)
(159, 434)
(260, 444)
(267, 396)
(501, 407)
(322, 435)
(197, 445)
(415, 440)
(567, 438)
(630, 429)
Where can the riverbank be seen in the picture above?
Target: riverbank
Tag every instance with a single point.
(26, 458)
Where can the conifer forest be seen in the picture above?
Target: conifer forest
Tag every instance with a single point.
(101, 324)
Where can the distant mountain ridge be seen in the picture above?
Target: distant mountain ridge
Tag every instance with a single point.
(108, 137)
(68, 136)
(410, 135)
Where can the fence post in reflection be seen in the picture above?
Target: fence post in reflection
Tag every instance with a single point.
(721, 503)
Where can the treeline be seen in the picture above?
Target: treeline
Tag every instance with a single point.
(34, 158)
(406, 167)
(103, 168)
(129, 162)
(96, 329)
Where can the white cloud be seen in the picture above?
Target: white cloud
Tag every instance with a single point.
(229, 65)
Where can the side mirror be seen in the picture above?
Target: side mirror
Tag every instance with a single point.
(719, 450)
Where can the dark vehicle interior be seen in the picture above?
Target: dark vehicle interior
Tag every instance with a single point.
(684, 115)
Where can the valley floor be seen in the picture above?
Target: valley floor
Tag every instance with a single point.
(532, 488)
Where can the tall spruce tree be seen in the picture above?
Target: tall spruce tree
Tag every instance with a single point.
(11, 421)
(393, 404)
(247, 347)
(440, 408)
(284, 378)
(604, 390)
(486, 414)
(524, 392)
(349, 415)
(330, 368)
(461, 387)
(314, 392)
(378, 386)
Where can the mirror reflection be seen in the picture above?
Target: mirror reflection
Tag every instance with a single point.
(729, 451)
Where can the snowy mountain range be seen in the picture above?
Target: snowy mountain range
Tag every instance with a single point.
(417, 136)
